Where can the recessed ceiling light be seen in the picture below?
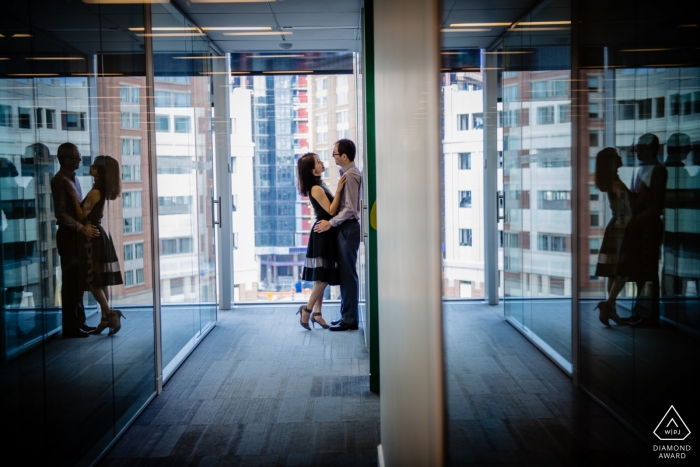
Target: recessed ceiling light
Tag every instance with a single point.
(258, 33)
(54, 58)
(469, 25)
(467, 30)
(238, 28)
(276, 56)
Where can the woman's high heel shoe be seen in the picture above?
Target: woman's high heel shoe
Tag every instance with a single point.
(301, 311)
(116, 323)
(612, 314)
(313, 320)
(104, 323)
(603, 314)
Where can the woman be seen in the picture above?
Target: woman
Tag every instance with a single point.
(321, 265)
(607, 181)
(99, 265)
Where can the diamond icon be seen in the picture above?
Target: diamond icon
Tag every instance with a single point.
(671, 427)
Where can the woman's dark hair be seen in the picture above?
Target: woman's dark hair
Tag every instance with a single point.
(108, 181)
(347, 147)
(605, 169)
(305, 173)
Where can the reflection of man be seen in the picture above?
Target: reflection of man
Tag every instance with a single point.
(67, 241)
(680, 263)
(644, 232)
(347, 227)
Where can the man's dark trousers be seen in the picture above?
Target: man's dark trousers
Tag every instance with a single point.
(72, 310)
(348, 234)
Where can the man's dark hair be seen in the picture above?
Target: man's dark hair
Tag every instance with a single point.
(347, 147)
(65, 151)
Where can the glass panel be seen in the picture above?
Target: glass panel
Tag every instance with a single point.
(185, 189)
(536, 145)
(67, 392)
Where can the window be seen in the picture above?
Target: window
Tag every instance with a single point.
(510, 118)
(131, 147)
(139, 276)
(341, 117)
(170, 205)
(344, 134)
(511, 240)
(595, 219)
(551, 243)
(545, 115)
(73, 121)
(321, 102)
(129, 94)
(465, 161)
(593, 140)
(321, 120)
(592, 83)
(500, 159)
(234, 202)
(235, 240)
(660, 107)
(176, 246)
(130, 120)
(539, 89)
(172, 99)
(182, 124)
(132, 225)
(510, 93)
(644, 109)
(675, 104)
(50, 118)
(322, 84)
(593, 245)
(465, 199)
(133, 251)
(5, 115)
(123, 94)
(24, 119)
(478, 121)
(594, 193)
(564, 113)
(696, 102)
(465, 237)
(625, 110)
(593, 110)
(322, 137)
(687, 103)
(162, 123)
(39, 120)
(463, 122)
(177, 286)
(131, 172)
(128, 278)
(341, 97)
(131, 199)
(551, 199)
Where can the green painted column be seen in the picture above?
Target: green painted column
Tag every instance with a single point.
(370, 180)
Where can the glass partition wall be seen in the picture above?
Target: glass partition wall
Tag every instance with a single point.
(66, 395)
(537, 180)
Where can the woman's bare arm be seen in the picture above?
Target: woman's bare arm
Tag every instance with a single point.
(336, 201)
(81, 212)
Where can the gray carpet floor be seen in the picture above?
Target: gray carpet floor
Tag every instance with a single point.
(262, 391)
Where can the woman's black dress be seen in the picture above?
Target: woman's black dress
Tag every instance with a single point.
(99, 265)
(609, 253)
(321, 262)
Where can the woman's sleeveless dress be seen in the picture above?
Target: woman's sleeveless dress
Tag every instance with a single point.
(321, 262)
(99, 264)
(609, 253)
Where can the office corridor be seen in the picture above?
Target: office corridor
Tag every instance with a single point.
(260, 390)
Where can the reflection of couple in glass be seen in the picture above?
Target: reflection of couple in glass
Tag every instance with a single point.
(334, 240)
(88, 258)
(632, 239)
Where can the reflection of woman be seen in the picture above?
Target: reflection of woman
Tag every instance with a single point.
(99, 265)
(321, 265)
(606, 180)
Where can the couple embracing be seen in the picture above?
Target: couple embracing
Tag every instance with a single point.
(331, 255)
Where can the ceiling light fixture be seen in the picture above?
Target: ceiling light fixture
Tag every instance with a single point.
(201, 57)
(107, 2)
(514, 52)
(239, 28)
(258, 33)
(98, 74)
(172, 34)
(21, 35)
(466, 30)
(645, 50)
(180, 28)
(231, 1)
(288, 72)
(542, 23)
(29, 75)
(276, 56)
(54, 58)
(469, 25)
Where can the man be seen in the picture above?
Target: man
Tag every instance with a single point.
(68, 238)
(347, 225)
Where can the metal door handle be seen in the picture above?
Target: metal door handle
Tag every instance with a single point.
(500, 197)
(213, 219)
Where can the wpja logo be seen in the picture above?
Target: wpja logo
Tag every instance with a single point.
(672, 428)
